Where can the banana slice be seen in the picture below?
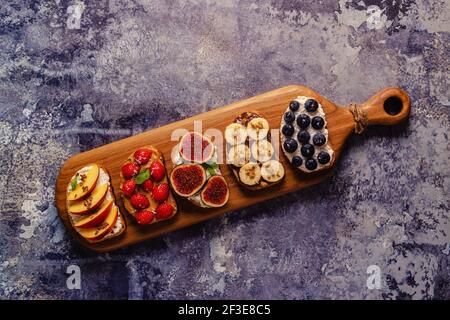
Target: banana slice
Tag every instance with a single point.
(272, 171)
(235, 133)
(238, 155)
(250, 174)
(258, 128)
(262, 150)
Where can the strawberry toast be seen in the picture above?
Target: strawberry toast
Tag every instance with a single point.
(145, 189)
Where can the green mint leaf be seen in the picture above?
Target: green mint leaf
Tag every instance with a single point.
(142, 176)
(211, 167)
(212, 171)
(73, 183)
(214, 165)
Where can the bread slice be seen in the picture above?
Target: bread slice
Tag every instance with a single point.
(327, 147)
(156, 156)
(120, 224)
(196, 198)
(244, 118)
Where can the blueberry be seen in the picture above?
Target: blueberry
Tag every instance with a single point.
(297, 161)
(303, 136)
(289, 117)
(311, 164)
(311, 105)
(323, 157)
(303, 121)
(307, 150)
(290, 145)
(319, 139)
(288, 130)
(317, 122)
(294, 105)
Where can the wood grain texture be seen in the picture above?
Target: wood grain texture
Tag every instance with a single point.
(272, 104)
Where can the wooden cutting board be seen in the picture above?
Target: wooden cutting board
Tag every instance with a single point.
(387, 107)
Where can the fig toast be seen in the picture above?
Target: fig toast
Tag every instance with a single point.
(196, 175)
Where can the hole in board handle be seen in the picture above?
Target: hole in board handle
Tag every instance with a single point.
(393, 105)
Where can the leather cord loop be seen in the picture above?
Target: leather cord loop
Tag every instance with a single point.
(361, 121)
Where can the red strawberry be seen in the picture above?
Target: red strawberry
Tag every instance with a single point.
(147, 185)
(142, 156)
(160, 192)
(145, 216)
(139, 201)
(164, 211)
(128, 187)
(157, 170)
(130, 169)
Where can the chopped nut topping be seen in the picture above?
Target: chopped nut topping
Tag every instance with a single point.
(88, 202)
(252, 172)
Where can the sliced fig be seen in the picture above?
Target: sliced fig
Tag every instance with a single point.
(195, 147)
(187, 179)
(215, 193)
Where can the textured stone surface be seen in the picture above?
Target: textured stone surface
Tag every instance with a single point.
(135, 64)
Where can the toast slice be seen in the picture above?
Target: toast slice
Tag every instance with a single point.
(305, 141)
(140, 177)
(251, 173)
(101, 219)
(211, 169)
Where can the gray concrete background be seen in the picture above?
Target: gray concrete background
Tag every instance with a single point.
(133, 65)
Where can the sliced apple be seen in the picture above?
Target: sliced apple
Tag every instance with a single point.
(91, 202)
(96, 217)
(98, 232)
(87, 182)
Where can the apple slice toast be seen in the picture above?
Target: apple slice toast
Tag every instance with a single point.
(145, 188)
(91, 205)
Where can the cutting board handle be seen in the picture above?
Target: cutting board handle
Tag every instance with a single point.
(387, 107)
